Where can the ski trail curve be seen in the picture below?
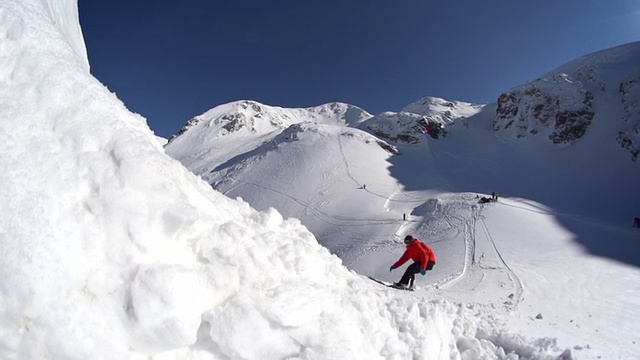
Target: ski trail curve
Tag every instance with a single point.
(484, 268)
(519, 288)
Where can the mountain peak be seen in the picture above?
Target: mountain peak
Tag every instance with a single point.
(427, 116)
(597, 91)
(345, 113)
(447, 110)
(252, 116)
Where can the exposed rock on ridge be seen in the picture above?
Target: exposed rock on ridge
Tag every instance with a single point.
(558, 106)
(427, 116)
(600, 88)
(629, 137)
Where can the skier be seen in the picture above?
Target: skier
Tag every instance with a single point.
(423, 257)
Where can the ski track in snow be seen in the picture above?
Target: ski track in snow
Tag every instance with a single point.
(512, 275)
(447, 223)
(455, 217)
(344, 160)
(319, 214)
(457, 226)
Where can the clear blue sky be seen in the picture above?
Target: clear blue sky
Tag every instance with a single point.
(172, 60)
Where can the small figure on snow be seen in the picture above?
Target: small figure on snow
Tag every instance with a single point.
(423, 257)
(636, 222)
(484, 200)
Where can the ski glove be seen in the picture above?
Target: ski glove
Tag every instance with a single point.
(391, 268)
(423, 271)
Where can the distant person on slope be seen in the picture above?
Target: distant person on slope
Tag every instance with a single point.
(422, 255)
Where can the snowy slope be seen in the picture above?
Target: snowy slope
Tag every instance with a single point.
(303, 172)
(476, 148)
(562, 204)
(113, 250)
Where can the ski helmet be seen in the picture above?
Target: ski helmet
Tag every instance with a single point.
(408, 239)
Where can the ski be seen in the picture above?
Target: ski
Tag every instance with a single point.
(390, 285)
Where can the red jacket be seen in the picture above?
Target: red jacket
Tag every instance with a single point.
(417, 251)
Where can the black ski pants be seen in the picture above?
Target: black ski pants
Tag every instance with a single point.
(410, 274)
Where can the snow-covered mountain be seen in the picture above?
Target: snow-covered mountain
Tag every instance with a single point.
(232, 129)
(360, 187)
(585, 108)
(597, 93)
(113, 250)
(429, 115)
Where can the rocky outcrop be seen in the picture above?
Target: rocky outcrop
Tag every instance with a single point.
(627, 142)
(563, 105)
(629, 137)
(559, 107)
(428, 116)
(433, 128)
(188, 125)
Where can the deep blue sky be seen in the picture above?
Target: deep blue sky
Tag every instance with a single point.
(172, 60)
